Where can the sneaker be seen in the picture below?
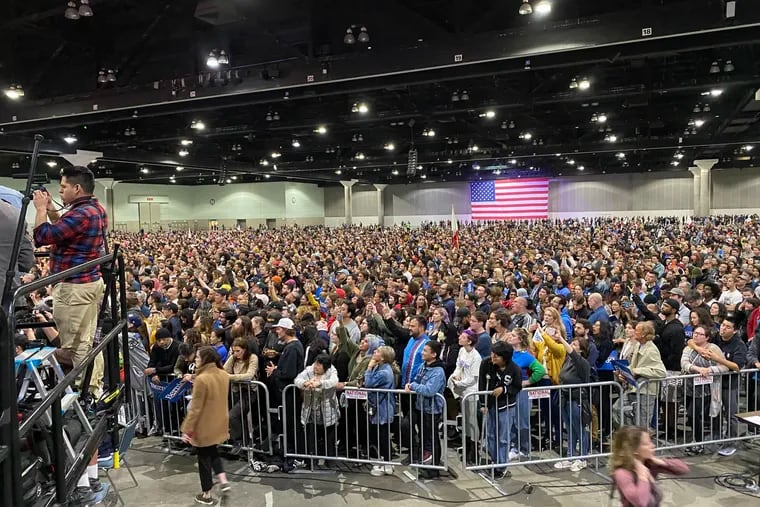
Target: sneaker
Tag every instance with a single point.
(727, 451)
(96, 486)
(204, 500)
(427, 458)
(562, 465)
(578, 465)
(513, 455)
(695, 450)
(225, 487)
(236, 448)
(502, 473)
(377, 471)
(82, 495)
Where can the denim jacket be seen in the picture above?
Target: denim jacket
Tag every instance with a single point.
(429, 381)
(383, 405)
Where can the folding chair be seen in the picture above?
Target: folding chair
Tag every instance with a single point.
(108, 465)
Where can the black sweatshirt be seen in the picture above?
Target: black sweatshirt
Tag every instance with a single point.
(163, 360)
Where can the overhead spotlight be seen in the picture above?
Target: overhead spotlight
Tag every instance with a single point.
(571, 162)
(70, 139)
(747, 147)
(14, 92)
(212, 62)
(504, 125)
(696, 109)
(85, 10)
(267, 176)
(197, 125)
(716, 92)
(111, 76)
(321, 130)
(276, 116)
(488, 114)
(594, 118)
(233, 177)
(513, 161)
(475, 148)
(275, 154)
(186, 142)
(449, 161)
(573, 84)
(525, 8)
(423, 176)
(183, 153)
(360, 107)
(179, 168)
(527, 136)
(584, 84)
(454, 97)
(349, 37)
(264, 162)
(363, 35)
(464, 96)
(389, 146)
(729, 67)
(714, 68)
(102, 79)
(511, 124)
(706, 108)
(699, 123)
(581, 168)
(71, 11)
(296, 143)
(268, 117)
(395, 172)
(620, 155)
(675, 163)
(612, 138)
(543, 7)
(144, 170)
(360, 156)
(338, 171)
(678, 155)
(224, 58)
(51, 163)
(602, 118)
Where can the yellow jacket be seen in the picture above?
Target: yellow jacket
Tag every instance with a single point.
(552, 355)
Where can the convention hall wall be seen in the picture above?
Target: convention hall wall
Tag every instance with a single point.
(734, 191)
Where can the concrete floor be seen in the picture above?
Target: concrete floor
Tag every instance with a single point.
(171, 480)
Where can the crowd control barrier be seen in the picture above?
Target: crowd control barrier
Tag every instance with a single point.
(365, 426)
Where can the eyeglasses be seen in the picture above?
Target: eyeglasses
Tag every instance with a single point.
(698, 333)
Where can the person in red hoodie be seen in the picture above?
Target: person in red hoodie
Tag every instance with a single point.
(752, 307)
(635, 468)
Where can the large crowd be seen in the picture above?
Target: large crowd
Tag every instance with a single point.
(511, 305)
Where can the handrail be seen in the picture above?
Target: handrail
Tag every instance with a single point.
(70, 378)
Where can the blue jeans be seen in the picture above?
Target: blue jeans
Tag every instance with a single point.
(520, 433)
(577, 434)
(498, 428)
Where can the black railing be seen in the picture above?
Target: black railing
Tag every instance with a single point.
(112, 267)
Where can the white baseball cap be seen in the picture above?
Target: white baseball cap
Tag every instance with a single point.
(285, 323)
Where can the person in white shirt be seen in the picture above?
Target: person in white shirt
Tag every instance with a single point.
(731, 297)
(464, 381)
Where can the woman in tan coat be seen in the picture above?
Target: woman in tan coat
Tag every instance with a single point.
(207, 421)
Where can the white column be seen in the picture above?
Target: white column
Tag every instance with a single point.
(705, 185)
(347, 200)
(696, 188)
(380, 204)
(108, 205)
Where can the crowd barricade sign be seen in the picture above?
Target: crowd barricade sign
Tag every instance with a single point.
(543, 425)
(383, 427)
(694, 411)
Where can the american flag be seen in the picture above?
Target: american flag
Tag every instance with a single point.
(523, 199)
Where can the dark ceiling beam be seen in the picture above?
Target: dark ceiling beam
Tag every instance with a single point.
(618, 37)
(129, 64)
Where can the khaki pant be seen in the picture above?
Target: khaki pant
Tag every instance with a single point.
(75, 311)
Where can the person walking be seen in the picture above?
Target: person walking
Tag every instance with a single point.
(207, 422)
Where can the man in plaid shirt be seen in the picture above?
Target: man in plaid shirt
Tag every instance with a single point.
(75, 238)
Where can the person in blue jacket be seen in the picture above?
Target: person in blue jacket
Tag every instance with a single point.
(380, 374)
(413, 350)
(428, 407)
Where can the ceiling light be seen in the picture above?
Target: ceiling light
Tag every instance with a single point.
(223, 59)
(51, 163)
(581, 168)
(322, 130)
(490, 114)
(296, 143)
(144, 170)
(699, 123)
(183, 153)
(729, 67)
(362, 108)
(389, 146)
(179, 168)
(716, 92)
(748, 147)
(449, 161)
(525, 8)
(275, 154)
(360, 156)
(186, 142)
(620, 155)
(267, 176)
(573, 84)
(363, 35)
(70, 139)
(85, 10)
(714, 68)
(454, 97)
(276, 116)
(475, 148)
(602, 118)
(584, 84)
(696, 109)
(338, 171)
(228, 180)
(71, 11)
(679, 156)
(674, 163)
(511, 124)
(706, 108)
(543, 7)
(349, 37)
(234, 177)
(212, 62)
(527, 136)
(464, 95)
(395, 172)
(423, 176)
(197, 125)
(14, 92)
(571, 162)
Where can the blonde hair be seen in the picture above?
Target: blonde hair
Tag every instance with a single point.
(522, 335)
(558, 324)
(625, 445)
(646, 329)
(387, 353)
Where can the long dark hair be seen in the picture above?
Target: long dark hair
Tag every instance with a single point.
(209, 355)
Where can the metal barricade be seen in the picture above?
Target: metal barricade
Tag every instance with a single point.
(545, 424)
(694, 411)
(355, 426)
(250, 427)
